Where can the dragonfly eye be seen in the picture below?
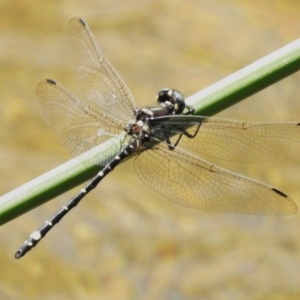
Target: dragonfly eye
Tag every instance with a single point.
(164, 95)
(179, 103)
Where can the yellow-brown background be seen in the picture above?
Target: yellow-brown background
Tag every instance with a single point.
(124, 241)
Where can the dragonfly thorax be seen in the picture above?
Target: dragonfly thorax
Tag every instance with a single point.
(170, 101)
(139, 127)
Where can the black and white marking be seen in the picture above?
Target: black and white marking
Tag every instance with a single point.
(163, 137)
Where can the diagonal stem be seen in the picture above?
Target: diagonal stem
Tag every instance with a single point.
(211, 100)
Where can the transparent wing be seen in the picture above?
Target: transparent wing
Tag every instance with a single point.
(78, 126)
(96, 76)
(234, 140)
(193, 182)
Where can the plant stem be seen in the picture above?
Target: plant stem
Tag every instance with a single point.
(211, 100)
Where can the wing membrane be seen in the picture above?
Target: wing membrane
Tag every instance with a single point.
(234, 140)
(96, 76)
(193, 182)
(78, 126)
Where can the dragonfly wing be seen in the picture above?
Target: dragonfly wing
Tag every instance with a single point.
(78, 126)
(188, 180)
(234, 140)
(96, 76)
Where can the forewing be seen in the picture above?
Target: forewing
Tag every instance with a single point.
(98, 79)
(234, 140)
(78, 126)
(193, 182)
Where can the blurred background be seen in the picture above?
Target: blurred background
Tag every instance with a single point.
(124, 241)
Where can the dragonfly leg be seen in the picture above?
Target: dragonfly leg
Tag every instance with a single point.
(185, 133)
(190, 108)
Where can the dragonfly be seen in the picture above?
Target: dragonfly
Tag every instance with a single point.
(164, 140)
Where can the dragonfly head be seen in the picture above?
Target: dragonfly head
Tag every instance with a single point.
(172, 99)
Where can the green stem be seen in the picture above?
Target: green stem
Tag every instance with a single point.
(207, 102)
